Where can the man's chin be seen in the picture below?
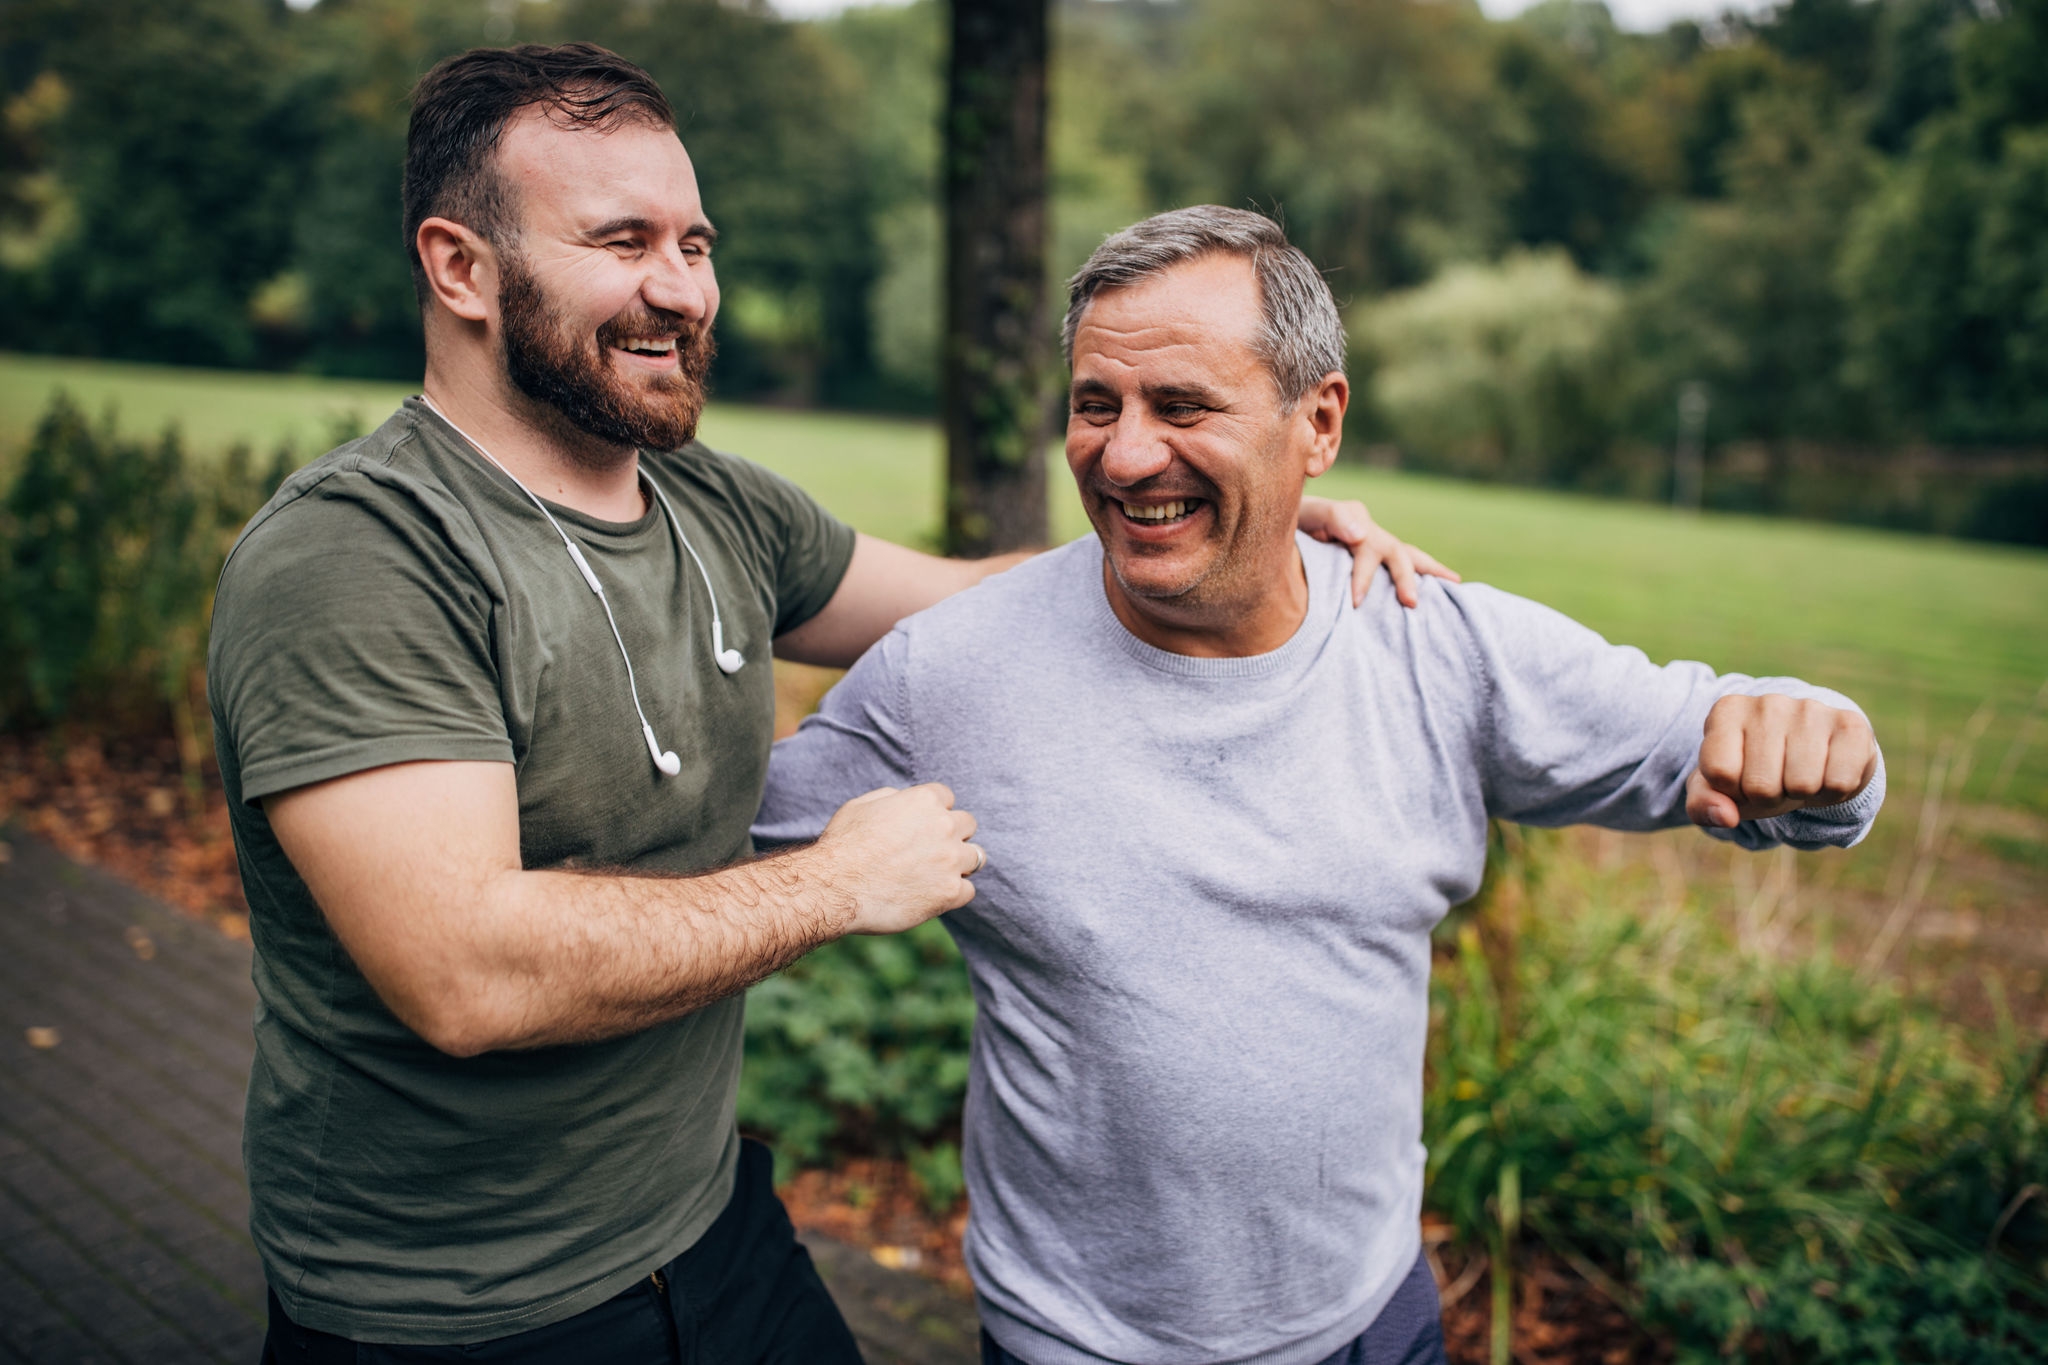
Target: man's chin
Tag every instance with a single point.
(1153, 577)
(631, 420)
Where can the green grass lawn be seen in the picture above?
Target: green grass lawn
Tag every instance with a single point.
(1921, 631)
(212, 409)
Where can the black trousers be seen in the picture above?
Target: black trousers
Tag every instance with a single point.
(1408, 1331)
(745, 1294)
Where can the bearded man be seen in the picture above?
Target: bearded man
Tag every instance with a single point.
(493, 704)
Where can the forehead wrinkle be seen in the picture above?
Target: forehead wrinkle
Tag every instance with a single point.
(1192, 366)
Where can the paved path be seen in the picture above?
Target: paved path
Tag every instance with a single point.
(124, 1054)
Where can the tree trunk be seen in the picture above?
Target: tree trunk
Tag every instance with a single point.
(997, 339)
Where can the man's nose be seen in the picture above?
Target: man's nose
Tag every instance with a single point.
(1135, 452)
(674, 286)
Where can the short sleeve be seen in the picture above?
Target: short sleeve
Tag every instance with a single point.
(348, 635)
(860, 739)
(811, 546)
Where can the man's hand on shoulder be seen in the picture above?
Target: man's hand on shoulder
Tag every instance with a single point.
(1764, 756)
(1350, 525)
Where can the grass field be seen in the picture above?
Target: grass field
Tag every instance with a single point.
(1923, 632)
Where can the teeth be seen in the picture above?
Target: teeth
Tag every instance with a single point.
(1165, 511)
(660, 344)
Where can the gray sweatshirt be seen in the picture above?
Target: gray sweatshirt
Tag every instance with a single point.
(1200, 948)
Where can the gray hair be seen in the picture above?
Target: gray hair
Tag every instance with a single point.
(1301, 338)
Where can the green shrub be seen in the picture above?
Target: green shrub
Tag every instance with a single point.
(1498, 371)
(112, 549)
(862, 1047)
(1778, 1160)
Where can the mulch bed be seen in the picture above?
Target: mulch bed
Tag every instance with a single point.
(127, 807)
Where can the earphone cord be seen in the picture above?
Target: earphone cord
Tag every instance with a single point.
(589, 574)
(677, 526)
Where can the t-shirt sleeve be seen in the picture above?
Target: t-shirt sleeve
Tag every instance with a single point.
(347, 637)
(1577, 730)
(859, 740)
(811, 547)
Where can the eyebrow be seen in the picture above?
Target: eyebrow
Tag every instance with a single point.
(700, 230)
(1154, 393)
(1195, 393)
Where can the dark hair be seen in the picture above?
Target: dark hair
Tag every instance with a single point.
(461, 107)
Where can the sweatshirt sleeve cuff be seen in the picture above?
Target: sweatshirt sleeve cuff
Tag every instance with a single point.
(1843, 825)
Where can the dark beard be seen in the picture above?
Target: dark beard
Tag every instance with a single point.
(572, 377)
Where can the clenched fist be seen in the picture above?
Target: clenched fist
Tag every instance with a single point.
(1763, 756)
(904, 854)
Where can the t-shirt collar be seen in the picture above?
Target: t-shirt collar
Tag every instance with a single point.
(1315, 627)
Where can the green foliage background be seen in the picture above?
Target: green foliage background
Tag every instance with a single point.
(1829, 215)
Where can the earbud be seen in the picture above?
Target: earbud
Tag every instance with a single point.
(667, 762)
(729, 660)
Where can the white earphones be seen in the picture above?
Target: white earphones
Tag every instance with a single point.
(728, 660)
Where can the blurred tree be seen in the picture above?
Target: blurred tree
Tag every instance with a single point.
(182, 147)
(1372, 126)
(1945, 268)
(997, 332)
(1499, 371)
(1742, 296)
(1838, 37)
(1915, 76)
(1577, 185)
(898, 57)
(1720, 81)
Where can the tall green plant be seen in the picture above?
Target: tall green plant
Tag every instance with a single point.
(1779, 1161)
(113, 546)
(862, 1046)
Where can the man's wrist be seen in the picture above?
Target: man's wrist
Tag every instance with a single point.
(824, 880)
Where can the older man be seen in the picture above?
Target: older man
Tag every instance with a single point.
(492, 697)
(1223, 808)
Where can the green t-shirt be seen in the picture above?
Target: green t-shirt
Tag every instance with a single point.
(398, 600)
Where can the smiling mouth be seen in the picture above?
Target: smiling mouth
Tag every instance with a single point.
(651, 347)
(1161, 513)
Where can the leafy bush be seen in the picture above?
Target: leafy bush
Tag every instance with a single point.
(862, 1047)
(1502, 371)
(106, 584)
(1776, 1156)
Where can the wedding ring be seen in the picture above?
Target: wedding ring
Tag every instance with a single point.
(980, 859)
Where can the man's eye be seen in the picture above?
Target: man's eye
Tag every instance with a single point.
(1180, 412)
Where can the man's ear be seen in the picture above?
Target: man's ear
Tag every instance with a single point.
(1322, 408)
(461, 268)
